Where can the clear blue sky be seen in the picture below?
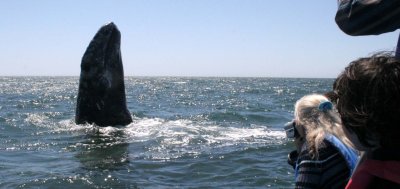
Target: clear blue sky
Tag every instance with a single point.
(247, 38)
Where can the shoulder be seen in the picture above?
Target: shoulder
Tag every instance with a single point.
(328, 159)
(328, 170)
(327, 155)
(325, 152)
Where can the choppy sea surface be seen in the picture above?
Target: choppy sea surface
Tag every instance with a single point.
(186, 133)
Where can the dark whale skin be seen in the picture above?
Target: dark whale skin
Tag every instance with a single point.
(101, 96)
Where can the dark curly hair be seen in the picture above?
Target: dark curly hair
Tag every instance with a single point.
(368, 93)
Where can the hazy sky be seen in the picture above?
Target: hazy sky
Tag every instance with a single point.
(247, 38)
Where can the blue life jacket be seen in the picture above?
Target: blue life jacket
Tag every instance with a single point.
(347, 153)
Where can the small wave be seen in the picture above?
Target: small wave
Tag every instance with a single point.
(179, 82)
(37, 119)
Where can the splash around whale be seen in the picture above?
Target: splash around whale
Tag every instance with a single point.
(101, 96)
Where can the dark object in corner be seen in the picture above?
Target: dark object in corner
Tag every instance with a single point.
(368, 17)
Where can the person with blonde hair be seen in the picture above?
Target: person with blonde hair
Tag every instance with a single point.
(324, 160)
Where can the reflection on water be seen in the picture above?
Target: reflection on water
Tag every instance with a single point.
(105, 151)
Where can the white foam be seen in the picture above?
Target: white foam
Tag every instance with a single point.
(168, 139)
(184, 132)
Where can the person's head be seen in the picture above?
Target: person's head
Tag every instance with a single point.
(368, 93)
(314, 116)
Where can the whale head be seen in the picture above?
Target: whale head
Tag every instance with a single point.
(101, 97)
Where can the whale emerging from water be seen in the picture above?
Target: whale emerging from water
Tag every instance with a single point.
(101, 97)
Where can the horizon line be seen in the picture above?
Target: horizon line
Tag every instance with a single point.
(171, 76)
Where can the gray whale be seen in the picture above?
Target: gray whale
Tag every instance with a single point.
(101, 97)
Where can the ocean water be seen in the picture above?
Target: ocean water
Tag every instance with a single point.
(187, 133)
